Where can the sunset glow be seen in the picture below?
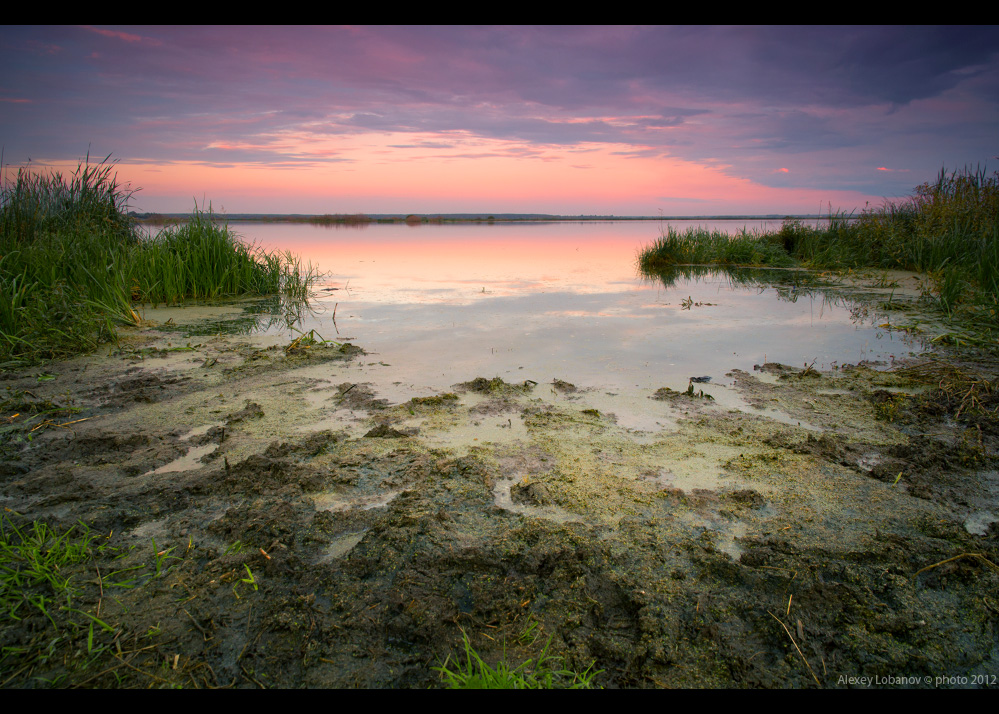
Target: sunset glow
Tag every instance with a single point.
(592, 120)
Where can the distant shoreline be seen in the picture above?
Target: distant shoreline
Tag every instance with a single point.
(418, 218)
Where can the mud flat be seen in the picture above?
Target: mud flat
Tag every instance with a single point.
(269, 517)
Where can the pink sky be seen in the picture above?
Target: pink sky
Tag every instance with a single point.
(591, 120)
(499, 181)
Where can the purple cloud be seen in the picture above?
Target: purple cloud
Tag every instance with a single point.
(830, 103)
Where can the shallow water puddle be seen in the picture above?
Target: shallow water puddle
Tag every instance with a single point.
(338, 502)
(779, 416)
(192, 458)
(504, 499)
(474, 420)
(723, 532)
(985, 506)
(341, 546)
(978, 523)
(692, 472)
(187, 462)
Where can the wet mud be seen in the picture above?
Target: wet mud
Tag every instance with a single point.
(266, 519)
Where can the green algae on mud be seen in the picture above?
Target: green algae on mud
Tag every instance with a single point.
(520, 514)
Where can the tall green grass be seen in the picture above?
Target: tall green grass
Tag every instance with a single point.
(948, 229)
(73, 264)
(697, 246)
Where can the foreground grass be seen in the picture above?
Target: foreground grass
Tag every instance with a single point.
(53, 629)
(545, 673)
(73, 264)
(948, 230)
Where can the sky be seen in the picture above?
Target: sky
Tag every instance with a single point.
(565, 120)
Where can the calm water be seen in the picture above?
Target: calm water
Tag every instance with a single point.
(441, 304)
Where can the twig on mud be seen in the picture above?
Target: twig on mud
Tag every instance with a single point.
(4, 683)
(65, 425)
(247, 645)
(199, 665)
(121, 662)
(201, 629)
(796, 646)
(809, 370)
(251, 678)
(794, 573)
(140, 671)
(100, 584)
(343, 394)
(99, 674)
(958, 557)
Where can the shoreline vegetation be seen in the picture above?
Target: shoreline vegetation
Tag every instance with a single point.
(73, 263)
(361, 219)
(947, 230)
(74, 260)
(260, 516)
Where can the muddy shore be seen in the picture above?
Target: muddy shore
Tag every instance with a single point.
(267, 518)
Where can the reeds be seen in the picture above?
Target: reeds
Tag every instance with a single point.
(697, 246)
(201, 259)
(948, 229)
(73, 263)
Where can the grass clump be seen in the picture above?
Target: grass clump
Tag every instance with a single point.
(545, 673)
(697, 246)
(948, 229)
(73, 263)
(61, 620)
(33, 562)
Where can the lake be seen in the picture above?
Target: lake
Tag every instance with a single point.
(437, 304)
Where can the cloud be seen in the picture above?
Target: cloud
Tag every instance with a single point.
(825, 103)
(123, 36)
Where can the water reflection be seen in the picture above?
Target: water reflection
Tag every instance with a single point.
(445, 303)
(788, 280)
(787, 285)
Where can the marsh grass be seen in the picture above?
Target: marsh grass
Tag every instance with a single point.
(52, 628)
(33, 563)
(948, 230)
(73, 264)
(697, 246)
(203, 258)
(546, 672)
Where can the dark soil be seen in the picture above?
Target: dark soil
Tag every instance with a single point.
(288, 558)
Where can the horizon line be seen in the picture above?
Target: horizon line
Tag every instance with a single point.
(485, 216)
